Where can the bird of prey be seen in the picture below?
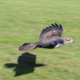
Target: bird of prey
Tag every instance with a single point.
(50, 38)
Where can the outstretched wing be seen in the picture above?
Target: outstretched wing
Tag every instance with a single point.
(51, 31)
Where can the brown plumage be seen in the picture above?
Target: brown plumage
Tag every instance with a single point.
(49, 38)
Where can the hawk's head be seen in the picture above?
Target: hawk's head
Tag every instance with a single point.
(67, 40)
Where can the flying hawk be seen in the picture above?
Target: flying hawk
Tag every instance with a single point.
(49, 38)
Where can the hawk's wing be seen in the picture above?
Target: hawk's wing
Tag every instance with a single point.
(50, 32)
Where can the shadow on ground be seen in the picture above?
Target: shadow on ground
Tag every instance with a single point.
(26, 64)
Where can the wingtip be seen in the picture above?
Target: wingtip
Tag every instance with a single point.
(53, 25)
(60, 25)
(56, 25)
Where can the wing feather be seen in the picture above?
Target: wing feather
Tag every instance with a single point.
(51, 31)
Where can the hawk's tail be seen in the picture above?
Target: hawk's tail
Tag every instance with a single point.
(28, 46)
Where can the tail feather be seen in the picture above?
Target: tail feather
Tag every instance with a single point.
(28, 46)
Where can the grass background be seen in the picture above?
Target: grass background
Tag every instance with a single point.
(22, 21)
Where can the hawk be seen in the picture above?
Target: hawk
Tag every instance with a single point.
(50, 38)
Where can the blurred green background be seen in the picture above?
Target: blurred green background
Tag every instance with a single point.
(22, 21)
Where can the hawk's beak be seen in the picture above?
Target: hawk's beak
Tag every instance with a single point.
(72, 40)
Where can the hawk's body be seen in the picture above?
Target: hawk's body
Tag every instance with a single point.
(49, 38)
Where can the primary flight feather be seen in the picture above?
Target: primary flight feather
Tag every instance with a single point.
(50, 37)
